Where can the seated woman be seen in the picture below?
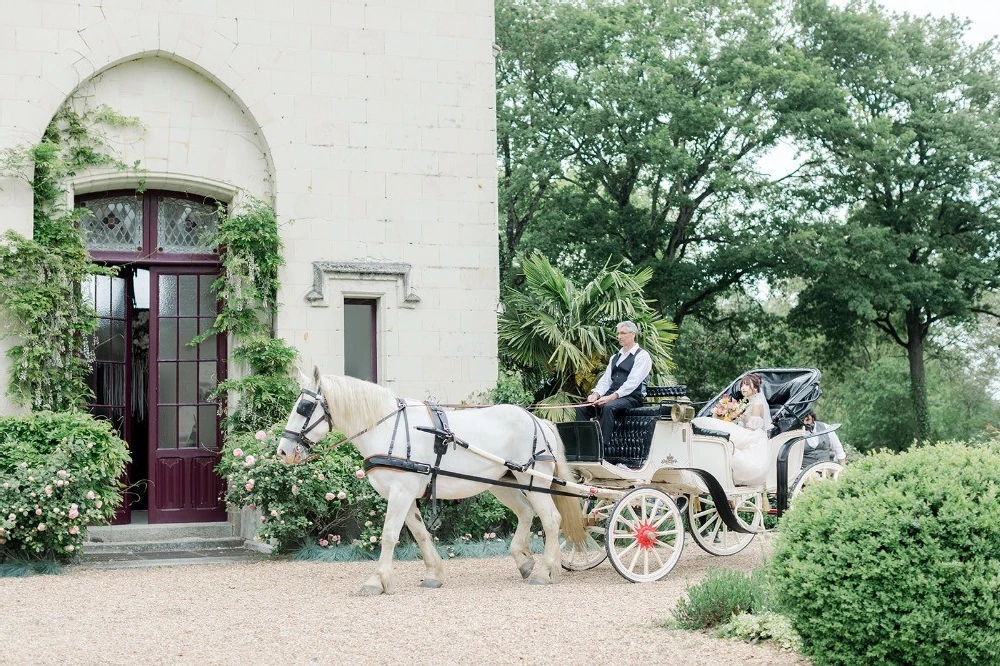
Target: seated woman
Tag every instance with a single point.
(748, 433)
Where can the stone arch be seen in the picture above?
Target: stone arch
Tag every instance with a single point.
(207, 44)
(194, 137)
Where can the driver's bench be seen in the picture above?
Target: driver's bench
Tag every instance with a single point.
(631, 438)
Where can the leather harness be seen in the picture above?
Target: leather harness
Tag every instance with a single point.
(443, 437)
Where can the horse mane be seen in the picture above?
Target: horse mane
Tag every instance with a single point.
(354, 403)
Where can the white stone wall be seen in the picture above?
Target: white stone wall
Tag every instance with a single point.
(371, 123)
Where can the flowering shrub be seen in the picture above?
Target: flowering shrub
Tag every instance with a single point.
(59, 472)
(321, 500)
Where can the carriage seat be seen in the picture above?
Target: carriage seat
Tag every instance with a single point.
(632, 436)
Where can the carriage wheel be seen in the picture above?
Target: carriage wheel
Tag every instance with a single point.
(711, 533)
(645, 535)
(593, 552)
(817, 472)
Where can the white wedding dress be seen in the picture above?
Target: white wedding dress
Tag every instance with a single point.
(748, 434)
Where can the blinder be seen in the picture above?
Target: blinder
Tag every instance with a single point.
(306, 407)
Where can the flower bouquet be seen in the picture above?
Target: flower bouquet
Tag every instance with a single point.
(729, 409)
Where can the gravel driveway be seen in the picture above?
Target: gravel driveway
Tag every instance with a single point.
(281, 612)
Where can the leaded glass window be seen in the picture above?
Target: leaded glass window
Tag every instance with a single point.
(113, 224)
(185, 226)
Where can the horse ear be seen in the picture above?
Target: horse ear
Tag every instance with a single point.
(316, 375)
(303, 377)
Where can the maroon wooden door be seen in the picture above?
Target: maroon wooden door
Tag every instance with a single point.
(110, 377)
(184, 434)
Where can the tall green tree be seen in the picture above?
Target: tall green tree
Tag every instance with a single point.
(631, 130)
(567, 331)
(908, 152)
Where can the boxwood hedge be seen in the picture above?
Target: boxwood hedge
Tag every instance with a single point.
(898, 562)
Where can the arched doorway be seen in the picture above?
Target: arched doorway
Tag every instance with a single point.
(147, 379)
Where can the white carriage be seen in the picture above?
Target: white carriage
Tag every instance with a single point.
(661, 473)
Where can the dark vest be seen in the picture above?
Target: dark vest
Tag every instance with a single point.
(619, 373)
(823, 452)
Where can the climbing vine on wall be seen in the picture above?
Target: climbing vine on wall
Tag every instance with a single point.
(40, 277)
(248, 290)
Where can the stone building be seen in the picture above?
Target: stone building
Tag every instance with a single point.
(369, 124)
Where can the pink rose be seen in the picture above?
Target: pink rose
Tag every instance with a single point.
(324, 543)
(249, 485)
(329, 496)
(70, 548)
(251, 507)
(98, 504)
(91, 495)
(335, 538)
(261, 436)
(74, 530)
(341, 495)
(38, 512)
(250, 460)
(237, 453)
(73, 513)
(262, 519)
(360, 473)
(41, 527)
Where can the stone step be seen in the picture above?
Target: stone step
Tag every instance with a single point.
(150, 559)
(158, 532)
(163, 545)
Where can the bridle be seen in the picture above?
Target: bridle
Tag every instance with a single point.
(306, 406)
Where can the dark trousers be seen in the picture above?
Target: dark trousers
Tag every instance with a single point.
(607, 413)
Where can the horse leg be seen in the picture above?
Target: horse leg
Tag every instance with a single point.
(520, 547)
(383, 580)
(433, 570)
(549, 570)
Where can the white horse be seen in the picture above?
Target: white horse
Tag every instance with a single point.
(503, 432)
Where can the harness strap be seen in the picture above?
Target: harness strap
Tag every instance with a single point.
(442, 437)
(400, 409)
(423, 468)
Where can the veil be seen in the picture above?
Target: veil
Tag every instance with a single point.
(765, 421)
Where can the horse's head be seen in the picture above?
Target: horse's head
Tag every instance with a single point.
(308, 423)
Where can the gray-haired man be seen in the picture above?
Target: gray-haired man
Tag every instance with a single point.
(623, 384)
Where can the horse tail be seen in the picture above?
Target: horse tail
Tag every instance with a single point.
(570, 508)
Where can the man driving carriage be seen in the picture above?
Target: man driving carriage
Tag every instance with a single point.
(623, 384)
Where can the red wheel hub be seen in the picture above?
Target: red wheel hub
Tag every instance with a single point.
(645, 534)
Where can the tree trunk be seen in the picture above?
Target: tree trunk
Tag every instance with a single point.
(918, 386)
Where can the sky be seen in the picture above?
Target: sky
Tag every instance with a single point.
(984, 14)
(985, 23)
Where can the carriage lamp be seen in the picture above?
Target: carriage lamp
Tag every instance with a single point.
(682, 411)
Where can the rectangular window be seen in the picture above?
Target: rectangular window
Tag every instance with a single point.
(360, 348)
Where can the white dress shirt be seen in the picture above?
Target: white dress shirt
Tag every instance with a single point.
(640, 370)
(838, 448)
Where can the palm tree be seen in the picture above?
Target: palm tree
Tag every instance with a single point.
(568, 333)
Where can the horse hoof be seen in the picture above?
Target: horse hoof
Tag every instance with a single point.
(526, 568)
(431, 584)
(538, 580)
(369, 591)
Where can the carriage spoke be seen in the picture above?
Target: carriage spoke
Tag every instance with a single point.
(659, 560)
(706, 512)
(635, 558)
(666, 514)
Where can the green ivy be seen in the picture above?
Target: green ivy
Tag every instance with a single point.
(40, 277)
(248, 289)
